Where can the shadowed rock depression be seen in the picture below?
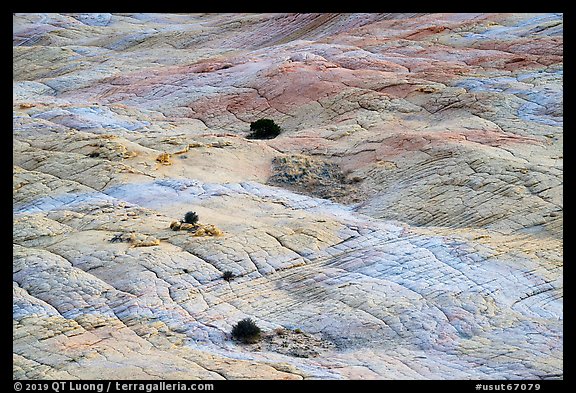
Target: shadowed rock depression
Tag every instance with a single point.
(405, 224)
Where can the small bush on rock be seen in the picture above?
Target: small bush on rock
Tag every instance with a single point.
(228, 275)
(191, 218)
(246, 331)
(164, 159)
(264, 129)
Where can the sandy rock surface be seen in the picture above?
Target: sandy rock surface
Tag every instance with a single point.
(406, 224)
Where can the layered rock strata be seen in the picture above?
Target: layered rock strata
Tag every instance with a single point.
(406, 224)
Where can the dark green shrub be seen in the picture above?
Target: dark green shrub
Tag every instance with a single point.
(264, 129)
(246, 331)
(228, 275)
(117, 238)
(191, 218)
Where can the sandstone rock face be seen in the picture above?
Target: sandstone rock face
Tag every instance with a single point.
(406, 224)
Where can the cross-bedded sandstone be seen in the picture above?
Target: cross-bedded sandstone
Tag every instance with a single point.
(435, 140)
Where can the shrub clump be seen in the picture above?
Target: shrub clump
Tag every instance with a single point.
(164, 159)
(207, 230)
(246, 331)
(228, 275)
(264, 129)
(191, 218)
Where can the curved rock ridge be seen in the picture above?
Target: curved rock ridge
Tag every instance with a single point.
(303, 263)
(406, 224)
